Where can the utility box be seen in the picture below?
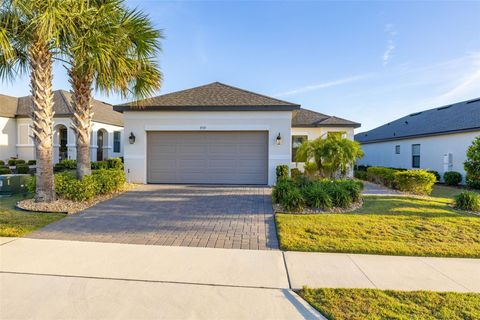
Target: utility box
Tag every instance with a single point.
(13, 183)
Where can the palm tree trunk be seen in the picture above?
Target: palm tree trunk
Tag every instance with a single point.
(82, 121)
(42, 116)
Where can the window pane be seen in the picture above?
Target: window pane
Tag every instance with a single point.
(415, 161)
(397, 149)
(415, 149)
(116, 141)
(296, 143)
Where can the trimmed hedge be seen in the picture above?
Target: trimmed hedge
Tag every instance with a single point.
(415, 181)
(32, 162)
(5, 170)
(382, 175)
(436, 174)
(22, 169)
(2, 163)
(468, 200)
(452, 178)
(295, 172)
(115, 163)
(69, 164)
(99, 165)
(12, 162)
(102, 181)
(293, 195)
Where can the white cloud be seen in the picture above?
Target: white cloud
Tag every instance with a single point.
(388, 53)
(324, 85)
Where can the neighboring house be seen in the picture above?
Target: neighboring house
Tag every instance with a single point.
(16, 132)
(435, 139)
(216, 134)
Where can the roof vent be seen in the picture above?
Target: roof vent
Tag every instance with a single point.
(415, 114)
(472, 101)
(443, 108)
(406, 122)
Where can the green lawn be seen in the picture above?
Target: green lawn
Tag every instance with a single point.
(443, 191)
(391, 225)
(340, 304)
(17, 223)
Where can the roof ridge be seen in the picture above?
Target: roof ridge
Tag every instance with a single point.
(258, 94)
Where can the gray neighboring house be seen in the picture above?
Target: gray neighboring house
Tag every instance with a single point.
(16, 132)
(435, 139)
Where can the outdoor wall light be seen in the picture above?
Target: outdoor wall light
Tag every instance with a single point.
(279, 139)
(131, 139)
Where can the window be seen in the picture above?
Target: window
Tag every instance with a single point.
(296, 142)
(116, 141)
(415, 156)
(397, 149)
(336, 134)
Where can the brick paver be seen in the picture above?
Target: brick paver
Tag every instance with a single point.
(176, 215)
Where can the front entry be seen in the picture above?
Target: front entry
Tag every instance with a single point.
(100, 145)
(226, 157)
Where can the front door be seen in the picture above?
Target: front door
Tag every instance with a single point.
(99, 145)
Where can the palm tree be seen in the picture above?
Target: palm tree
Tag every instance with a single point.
(30, 32)
(114, 49)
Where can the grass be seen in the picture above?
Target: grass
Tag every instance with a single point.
(389, 225)
(17, 223)
(446, 192)
(350, 304)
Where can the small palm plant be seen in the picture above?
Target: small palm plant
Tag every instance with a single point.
(31, 32)
(114, 49)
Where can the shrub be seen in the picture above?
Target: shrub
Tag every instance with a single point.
(316, 196)
(11, 162)
(382, 175)
(436, 174)
(353, 187)
(415, 181)
(5, 170)
(468, 201)
(310, 168)
(68, 187)
(294, 172)
(58, 167)
(115, 163)
(99, 165)
(2, 163)
(280, 190)
(361, 175)
(472, 165)
(282, 172)
(108, 181)
(452, 178)
(340, 196)
(22, 168)
(69, 164)
(292, 199)
(32, 162)
(19, 161)
(31, 184)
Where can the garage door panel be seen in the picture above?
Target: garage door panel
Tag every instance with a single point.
(208, 157)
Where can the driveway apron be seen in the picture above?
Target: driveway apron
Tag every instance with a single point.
(238, 217)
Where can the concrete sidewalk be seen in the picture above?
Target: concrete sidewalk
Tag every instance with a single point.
(60, 279)
(339, 270)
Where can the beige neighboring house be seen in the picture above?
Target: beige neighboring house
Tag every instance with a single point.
(16, 132)
(218, 134)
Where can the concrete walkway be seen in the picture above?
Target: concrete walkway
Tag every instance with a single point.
(377, 189)
(73, 279)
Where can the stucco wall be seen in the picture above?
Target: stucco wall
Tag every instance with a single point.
(432, 151)
(26, 149)
(139, 123)
(8, 138)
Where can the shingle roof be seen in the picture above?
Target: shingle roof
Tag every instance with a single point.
(308, 118)
(62, 102)
(210, 97)
(8, 106)
(458, 117)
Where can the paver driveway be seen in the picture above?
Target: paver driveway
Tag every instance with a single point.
(179, 215)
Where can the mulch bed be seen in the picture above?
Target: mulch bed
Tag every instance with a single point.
(67, 206)
(277, 208)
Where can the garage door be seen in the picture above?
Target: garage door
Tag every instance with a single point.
(208, 157)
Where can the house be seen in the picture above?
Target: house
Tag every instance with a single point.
(217, 133)
(435, 139)
(16, 132)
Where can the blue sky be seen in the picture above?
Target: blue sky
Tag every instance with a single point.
(370, 62)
